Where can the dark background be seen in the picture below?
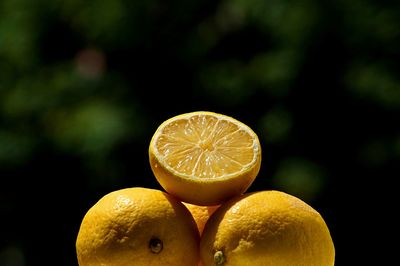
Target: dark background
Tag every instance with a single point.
(85, 84)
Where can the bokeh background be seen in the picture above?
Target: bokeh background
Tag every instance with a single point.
(84, 85)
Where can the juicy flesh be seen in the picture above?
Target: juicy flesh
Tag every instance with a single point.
(206, 147)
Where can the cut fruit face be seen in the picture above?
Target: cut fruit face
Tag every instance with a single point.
(205, 147)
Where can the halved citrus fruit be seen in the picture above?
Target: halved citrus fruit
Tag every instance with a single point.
(204, 158)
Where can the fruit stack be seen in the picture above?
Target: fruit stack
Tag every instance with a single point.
(205, 162)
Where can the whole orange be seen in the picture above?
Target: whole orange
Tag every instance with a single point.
(137, 226)
(266, 228)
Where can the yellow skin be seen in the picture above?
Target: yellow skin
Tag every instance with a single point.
(267, 228)
(137, 226)
(201, 214)
(204, 158)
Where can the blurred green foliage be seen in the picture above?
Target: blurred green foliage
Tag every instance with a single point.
(276, 124)
(60, 83)
(84, 84)
(300, 177)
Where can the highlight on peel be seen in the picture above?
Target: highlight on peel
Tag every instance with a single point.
(204, 158)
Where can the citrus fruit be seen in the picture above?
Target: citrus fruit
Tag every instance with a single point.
(204, 158)
(201, 214)
(137, 226)
(268, 228)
